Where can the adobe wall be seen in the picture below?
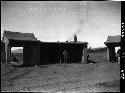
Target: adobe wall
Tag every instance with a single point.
(3, 53)
(52, 53)
(111, 53)
(31, 55)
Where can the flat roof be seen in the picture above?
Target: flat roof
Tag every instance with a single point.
(78, 42)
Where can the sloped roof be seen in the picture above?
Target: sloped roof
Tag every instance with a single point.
(19, 36)
(114, 39)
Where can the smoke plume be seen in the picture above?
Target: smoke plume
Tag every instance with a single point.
(83, 17)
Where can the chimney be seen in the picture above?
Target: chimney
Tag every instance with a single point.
(75, 38)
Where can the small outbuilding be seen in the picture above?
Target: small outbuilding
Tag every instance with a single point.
(111, 43)
(31, 46)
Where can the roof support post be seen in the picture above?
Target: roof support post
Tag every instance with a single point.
(8, 52)
(108, 54)
(84, 56)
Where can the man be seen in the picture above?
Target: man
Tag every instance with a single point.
(65, 56)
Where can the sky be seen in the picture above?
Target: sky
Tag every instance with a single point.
(52, 21)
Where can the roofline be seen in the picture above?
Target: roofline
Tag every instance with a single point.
(111, 42)
(41, 41)
(50, 42)
(67, 42)
(114, 35)
(25, 40)
(17, 32)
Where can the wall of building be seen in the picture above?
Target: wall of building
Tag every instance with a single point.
(31, 55)
(3, 53)
(51, 53)
(111, 54)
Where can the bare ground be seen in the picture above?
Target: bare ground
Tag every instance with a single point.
(68, 78)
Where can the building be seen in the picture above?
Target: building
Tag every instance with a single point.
(53, 52)
(111, 43)
(36, 52)
(29, 43)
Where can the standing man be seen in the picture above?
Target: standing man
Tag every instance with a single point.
(65, 56)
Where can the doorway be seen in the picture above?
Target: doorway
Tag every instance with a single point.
(16, 55)
(117, 52)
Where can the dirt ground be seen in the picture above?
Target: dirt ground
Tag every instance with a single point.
(60, 78)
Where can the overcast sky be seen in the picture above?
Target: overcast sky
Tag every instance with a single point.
(50, 21)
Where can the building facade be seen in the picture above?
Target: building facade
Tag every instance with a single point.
(36, 52)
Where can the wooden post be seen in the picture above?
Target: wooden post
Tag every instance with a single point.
(108, 54)
(8, 52)
(84, 56)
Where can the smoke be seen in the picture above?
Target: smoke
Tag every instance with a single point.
(83, 16)
(80, 28)
(78, 31)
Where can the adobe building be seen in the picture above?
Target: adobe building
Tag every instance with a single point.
(36, 52)
(31, 48)
(52, 52)
(111, 43)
